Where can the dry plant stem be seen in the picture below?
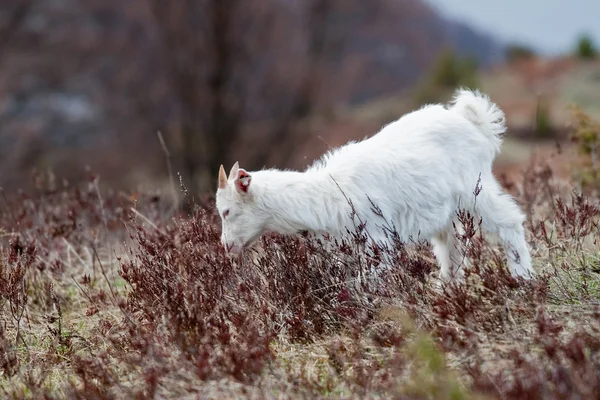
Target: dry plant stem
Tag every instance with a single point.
(165, 150)
(292, 319)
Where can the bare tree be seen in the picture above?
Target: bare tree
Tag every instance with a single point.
(211, 47)
(220, 58)
(12, 17)
(11, 20)
(324, 42)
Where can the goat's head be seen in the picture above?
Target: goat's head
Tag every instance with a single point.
(242, 222)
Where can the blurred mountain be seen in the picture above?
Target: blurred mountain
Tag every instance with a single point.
(398, 42)
(91, 76)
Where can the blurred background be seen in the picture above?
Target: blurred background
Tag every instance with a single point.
(85, 85)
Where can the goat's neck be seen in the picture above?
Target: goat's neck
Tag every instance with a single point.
(299, 201)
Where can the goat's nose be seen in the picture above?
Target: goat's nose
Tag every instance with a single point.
(228, 246)
(232, 248)
(223, 240)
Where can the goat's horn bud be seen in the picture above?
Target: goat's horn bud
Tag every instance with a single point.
(222, 177)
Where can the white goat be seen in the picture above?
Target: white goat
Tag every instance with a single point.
(418, 170)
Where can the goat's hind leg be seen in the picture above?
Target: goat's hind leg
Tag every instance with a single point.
(502, 216)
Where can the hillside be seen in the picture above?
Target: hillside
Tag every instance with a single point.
(400, 42)
(518, 88)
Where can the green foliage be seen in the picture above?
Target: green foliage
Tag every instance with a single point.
(586, 136)
(449, 72)
(431, 377)
(586, 48)
(543, 124)
(452, 71)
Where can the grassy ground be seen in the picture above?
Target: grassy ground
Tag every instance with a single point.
(111, 296)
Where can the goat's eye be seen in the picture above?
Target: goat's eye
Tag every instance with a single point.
(225, 213)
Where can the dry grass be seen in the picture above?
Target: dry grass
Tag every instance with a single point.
(110, 297)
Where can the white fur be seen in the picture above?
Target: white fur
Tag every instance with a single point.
(419, 170)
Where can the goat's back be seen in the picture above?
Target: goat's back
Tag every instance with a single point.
(414, 169)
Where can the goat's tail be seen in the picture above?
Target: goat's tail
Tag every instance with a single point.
(483, 113)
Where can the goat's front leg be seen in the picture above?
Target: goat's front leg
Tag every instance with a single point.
(378, 252)
(450, 255)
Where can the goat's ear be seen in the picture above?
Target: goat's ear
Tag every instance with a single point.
(234, 171)
(222, 178)
(242, 181)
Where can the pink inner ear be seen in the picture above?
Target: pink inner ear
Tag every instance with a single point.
(243, 181)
